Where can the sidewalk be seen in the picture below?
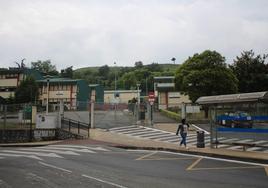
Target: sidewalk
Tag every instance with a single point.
(127, 142)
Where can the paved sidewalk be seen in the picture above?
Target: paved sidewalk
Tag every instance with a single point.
(124, 141)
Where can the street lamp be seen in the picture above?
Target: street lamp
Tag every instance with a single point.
(173, 59)
(114, 79)
(138, 94)
(47, 95)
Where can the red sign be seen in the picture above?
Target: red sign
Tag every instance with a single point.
(151, 97)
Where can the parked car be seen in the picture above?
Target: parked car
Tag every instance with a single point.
(236, 120)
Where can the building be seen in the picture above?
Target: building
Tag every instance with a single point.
(96, 93)
(11, 78)
(166, 94)
(120, 96)
(74, 93)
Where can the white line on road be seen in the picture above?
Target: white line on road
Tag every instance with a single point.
(70, 149)
(103, 181)
(4, 184)
(51, 151)
(33, 153)
(15, 155)
(55, 167)
(81, 147)
(206, 132)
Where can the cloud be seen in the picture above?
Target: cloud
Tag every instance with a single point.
(95, 33)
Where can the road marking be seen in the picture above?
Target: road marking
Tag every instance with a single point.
(253, 148)
(260, 142)
(4, 184)
(167, 159)
(217, 159)
(81, 147)
(50, 150)
(15, 155)
(55, 167)
(147, 155)
(103, 181)
(228, 168)
(71, 149)
(206, 132)
(33, 153)
(194, 163)
(266, 170)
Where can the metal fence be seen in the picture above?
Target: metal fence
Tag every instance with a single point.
(243, 126)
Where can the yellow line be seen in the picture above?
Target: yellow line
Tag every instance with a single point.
(227, 168)
(155, 159)
(266, 170)
(147, 155)
(194, 164)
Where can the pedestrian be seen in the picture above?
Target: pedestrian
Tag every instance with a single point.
(183, 130)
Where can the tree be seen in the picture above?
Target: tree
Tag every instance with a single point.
(45, 67)
(205, 74)
(27, 91)
(138, 64)
(104, 71)
(67, 73)
(251, 71)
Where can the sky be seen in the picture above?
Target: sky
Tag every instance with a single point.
(83, 33)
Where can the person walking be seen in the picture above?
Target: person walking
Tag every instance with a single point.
(183, 130)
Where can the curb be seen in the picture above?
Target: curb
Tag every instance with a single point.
(245, 159)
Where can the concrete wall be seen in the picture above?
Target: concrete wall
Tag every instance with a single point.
(47, 121)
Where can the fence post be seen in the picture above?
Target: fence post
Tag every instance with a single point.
(92, 115)
(5, 121)
(78, 125)
(69, 125)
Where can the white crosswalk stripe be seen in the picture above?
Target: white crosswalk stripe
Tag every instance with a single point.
(56, 151)
(169, 137)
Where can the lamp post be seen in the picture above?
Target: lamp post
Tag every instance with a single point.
(47, 95)
(138, 102)
(114, 79)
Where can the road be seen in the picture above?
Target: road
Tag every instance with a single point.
(105, 166)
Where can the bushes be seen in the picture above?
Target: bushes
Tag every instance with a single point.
(172, 115)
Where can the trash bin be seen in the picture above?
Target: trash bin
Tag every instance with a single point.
(200, 139)
(142, 115)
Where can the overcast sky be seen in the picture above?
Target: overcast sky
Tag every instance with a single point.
(83, 33)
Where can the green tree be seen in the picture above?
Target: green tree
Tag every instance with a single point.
(138, 64)
(104, 71)
(45, 67)
(205, 74)
(251, 71)
(67, 73)
(27, 91)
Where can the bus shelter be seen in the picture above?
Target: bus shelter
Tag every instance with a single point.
(238, 121)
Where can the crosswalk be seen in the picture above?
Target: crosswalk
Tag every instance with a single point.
(54, 151)
(142, 132)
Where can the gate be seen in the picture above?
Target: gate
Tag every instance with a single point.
(109, 115)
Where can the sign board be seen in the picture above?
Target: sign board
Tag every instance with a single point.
(192, 109)
(151, 103)
(151, 97)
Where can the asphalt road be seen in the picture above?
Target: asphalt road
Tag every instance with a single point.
(113, 167)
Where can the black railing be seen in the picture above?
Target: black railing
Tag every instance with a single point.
(71, 124)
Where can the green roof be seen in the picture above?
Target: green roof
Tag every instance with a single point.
(57, 80)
